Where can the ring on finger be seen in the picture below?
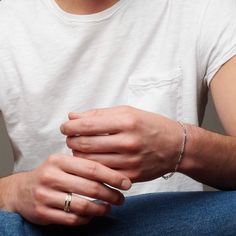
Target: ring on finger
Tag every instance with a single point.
(67, 204)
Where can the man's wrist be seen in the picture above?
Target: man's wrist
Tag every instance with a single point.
(9, 192)
(192, 150)
(181, 144)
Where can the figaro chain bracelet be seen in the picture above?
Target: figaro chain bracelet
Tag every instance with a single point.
(166, 177)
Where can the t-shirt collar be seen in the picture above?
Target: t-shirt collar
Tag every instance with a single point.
(95, 17)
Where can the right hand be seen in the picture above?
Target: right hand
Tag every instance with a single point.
(39, 195)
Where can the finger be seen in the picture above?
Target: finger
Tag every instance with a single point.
(103, 111)
(111, 160)
(94, 190)
(97, 144)
(89, 170)
(85, 168)
(76, 115)
(78, 185)
(78, 205)
(96, 125)
(73, 116)
(54, 216)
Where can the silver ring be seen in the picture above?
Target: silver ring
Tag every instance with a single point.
(68, 200)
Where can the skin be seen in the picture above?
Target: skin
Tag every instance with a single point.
(39, 195)
(43, 191)
(144, 145)
(133, 146)
(81, 7)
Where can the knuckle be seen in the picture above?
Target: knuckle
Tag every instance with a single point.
(94, 112)
(84, 145)
(72, 219)
(84, 207)
(135, 162)
(132, 144)
(131, 122)
(40, 213)
(46, 178)
(93, 169)
(87, 124)
(53, 159)
(95, 190)
(40, 195)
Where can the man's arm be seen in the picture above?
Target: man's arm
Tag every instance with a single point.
(210, 157)
(6, 183)
(145, 146)
(223, 88)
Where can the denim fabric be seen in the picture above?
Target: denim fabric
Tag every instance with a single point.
(193, 213)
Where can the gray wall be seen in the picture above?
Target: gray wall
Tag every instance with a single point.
(211, 122)
(6, 157)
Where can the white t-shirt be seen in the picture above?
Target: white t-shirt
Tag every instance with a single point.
(158, 55)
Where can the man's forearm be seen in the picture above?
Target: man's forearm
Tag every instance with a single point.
(7, 192)
(210, 158)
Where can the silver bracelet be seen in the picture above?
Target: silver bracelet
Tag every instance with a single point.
(166, 177)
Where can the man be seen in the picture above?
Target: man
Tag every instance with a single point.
(136, 74)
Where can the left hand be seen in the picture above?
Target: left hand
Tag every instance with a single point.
(142, 145)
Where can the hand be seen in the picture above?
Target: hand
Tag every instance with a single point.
(141, 145)
(39, 195)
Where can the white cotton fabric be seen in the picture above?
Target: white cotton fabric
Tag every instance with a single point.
(157, 55)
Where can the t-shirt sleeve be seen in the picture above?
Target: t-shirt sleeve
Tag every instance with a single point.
(217, 43)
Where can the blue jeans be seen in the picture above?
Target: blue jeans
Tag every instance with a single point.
(193, 213)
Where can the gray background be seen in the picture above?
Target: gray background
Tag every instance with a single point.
(211, 122)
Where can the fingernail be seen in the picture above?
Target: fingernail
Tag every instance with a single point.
(126, 184)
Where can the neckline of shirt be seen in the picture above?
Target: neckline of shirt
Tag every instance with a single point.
(90, 18)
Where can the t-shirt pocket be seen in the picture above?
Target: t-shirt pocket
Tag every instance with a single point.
(161, 93)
